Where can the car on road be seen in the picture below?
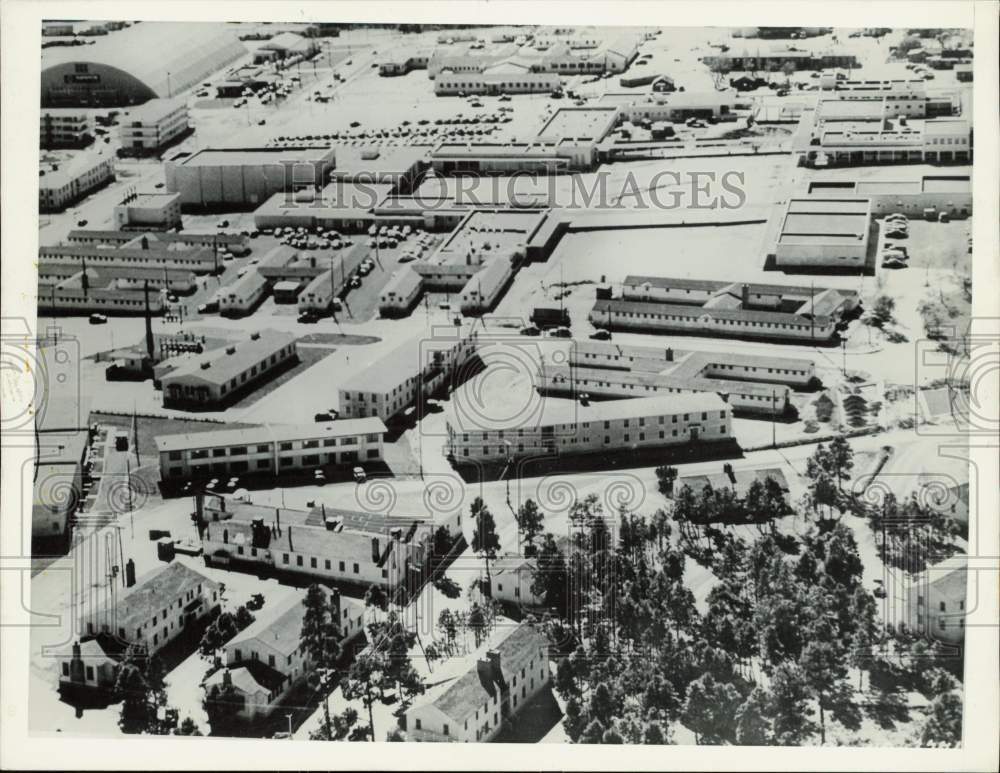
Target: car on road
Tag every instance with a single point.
(561, 332)
(601, 335)
(308, 317)
(98, 319)
(359, 474)
(81, 223)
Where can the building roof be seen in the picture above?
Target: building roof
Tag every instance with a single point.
(250, 678)
(755, 288)
(165, 57)
(683, 357)
(288, 41)
(167, 237)
(694, 312)
(468, 693)
(826, 221)
(153, 592)
(257, 156)
(281, 625)
(221, 365)
(592, 123)
(76, 167)
(403, 282)
(265, 433)
(153, 111)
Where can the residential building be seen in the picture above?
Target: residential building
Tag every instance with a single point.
(932, 604)
(847, 143)
(753, 385)
(177, 280)
(511, 578)
(237, 244)
(715, 308)
(57, 486)
(244, 178)
(87, 291)
(148, 211)
(149, 252)
(326, 545)
(776, 60)
(403, 61)
(565, 427)
(242, 296)
(400, 293)
(270, 450)
(151, 127)
(482, 696)
(162, 606)
(825, 233)
(267, 659)
(408, 374)
(222, 375)
(493, 82)
(62, 186)
(67, 128)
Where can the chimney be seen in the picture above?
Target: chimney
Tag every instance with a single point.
(76, 664)
(375, 553)
(129, 573)
(485, 669)
(335, 605)
(144, 243)
(669, 355)
(227, 679)
(494, 659)
(746, 295)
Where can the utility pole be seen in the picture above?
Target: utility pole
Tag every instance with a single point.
(843, 349)
(774, 439)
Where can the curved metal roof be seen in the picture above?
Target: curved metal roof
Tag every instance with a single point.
(148, 51)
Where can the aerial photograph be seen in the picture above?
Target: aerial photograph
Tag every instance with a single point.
(503, 384)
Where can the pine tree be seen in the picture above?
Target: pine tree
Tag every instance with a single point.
(530, 523)
(485, 541)
(790, 706)
(752, 725)
(321, 636)
(943, 727)
(593, 733)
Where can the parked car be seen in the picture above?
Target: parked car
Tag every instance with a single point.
(359, 474)
(187, 547)
(893, 261)
(601, 335)
(81, 223)
(308, 317)
(355, 281)
(98, 319)
(530, 330)
(561, 332)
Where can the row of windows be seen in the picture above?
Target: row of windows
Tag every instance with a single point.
(503, 449)
(713, 321)
(265, 448)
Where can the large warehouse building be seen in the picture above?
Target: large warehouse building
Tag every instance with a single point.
(143, 62)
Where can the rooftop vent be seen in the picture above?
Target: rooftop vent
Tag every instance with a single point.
(230, 350)
(206, 365)
(254, 336)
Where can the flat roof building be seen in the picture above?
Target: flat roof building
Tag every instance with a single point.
(153, 126)
(824, 233)
(241, 178)
(64, 128)
(149, 211)
(911, 197)
(61, 186)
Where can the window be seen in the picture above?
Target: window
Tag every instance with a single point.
(445, 729)
(284, 558)
(298, 560)
(356, 569)
(90, 673)
(417, 725)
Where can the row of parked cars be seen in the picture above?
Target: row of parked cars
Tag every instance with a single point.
(894, 254)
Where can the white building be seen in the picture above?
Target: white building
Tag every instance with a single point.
(408, 374)
(221, 375)
(326, 545)
(911, 196)
(266, 660)
(64, 185)
(64, 128)
(241, 297)
(564, 427)
(824, 233)
(932, 604)
(481, 694)
(150, 127)
(272, 449)
(400, 293)
(149, 211)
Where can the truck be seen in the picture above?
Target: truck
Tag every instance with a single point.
(544, 317)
